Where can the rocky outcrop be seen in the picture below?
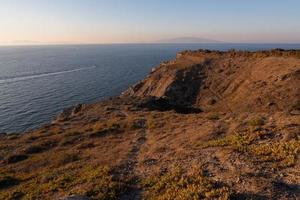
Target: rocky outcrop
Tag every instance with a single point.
(67, 113)
(227, 81)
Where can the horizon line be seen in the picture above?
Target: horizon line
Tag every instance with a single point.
(137, 43)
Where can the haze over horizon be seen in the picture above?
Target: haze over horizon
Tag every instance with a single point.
(135, 21)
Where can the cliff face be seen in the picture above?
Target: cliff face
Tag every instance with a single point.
(208, 125)
(226, 81)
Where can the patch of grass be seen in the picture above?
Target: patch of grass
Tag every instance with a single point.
(111, 126)
(213, 117)
(40, 147)
(71, 140)
(154, 121)
(184, 186)
(95, 182)
(281, 153)
(102, 184)
(258, 121)
(65, 158)
(237, 141)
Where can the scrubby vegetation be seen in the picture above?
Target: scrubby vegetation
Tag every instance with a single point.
(93, 181)
(213, 117)
(258, 121)
(181, 185)
(281, 153)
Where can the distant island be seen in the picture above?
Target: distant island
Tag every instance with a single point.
(187, 40)
(207, 125)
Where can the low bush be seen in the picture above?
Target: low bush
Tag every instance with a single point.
(40, 147)
(95, 182)
(281, 153)
(213, 117)
(177, 184)
(258, 121)
(65, 158)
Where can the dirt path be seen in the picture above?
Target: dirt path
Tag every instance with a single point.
(128, 169)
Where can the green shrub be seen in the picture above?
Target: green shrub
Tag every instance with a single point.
(65, 158)
(256, 122)
(282, 154)
(95, 182)
(183, 186)
(213, 117)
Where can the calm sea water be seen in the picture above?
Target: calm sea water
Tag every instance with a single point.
(37, 82)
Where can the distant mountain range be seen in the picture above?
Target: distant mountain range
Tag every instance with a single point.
(188, 40)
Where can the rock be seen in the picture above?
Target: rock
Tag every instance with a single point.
(295, 112)
(150, 161)
(77, 109)
(67, 113)
(140, 123)
(212, 101)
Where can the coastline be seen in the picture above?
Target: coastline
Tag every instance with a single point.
(233, 116)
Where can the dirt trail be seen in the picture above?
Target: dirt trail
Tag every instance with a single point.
(128, 168)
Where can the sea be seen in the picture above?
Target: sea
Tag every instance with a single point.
(38, 82)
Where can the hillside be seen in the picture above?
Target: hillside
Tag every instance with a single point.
(207, 125)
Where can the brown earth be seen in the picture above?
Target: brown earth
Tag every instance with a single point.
(208, 125)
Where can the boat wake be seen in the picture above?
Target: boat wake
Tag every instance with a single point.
(27, 77)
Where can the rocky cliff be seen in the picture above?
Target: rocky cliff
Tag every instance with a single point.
(207, 125)
(226, 81)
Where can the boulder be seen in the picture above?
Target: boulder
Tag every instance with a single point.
(67, 113)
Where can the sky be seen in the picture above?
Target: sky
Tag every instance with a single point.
(146, 21)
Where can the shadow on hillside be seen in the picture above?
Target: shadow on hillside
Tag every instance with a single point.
(163, 104)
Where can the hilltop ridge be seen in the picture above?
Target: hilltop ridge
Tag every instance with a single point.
(207, 125)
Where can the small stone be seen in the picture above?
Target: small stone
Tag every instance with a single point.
(295, 112)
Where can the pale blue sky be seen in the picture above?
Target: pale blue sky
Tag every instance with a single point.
(126, 21)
